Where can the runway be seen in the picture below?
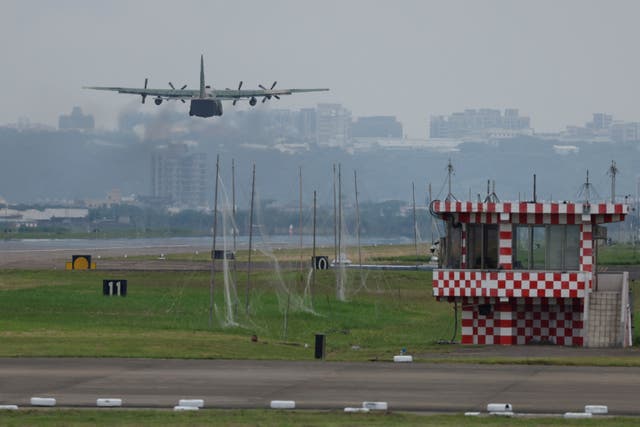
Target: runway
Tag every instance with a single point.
(77, 382)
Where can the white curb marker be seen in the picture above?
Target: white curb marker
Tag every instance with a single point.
(185, 408)
(403, 359)
(499, 407)
(596, 409)
(43, 401)
(8, 407)
(283, 404)
(376, 406)
(198, 403)
(108, 402)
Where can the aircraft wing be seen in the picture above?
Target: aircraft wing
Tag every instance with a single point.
(250, 93)
(162, 93)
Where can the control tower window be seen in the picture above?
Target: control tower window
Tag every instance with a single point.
(482, 246)
(549, 247)
(453, 244)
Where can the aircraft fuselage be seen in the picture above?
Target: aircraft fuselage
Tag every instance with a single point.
(205, 107)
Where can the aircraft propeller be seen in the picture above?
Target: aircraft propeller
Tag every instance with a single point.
(182, 88)
(173, 87)
(239, 87)
(144, 95)
(269, 96)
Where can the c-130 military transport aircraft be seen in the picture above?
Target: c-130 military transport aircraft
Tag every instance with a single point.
(205, 102)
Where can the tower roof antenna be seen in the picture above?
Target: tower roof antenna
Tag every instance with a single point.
(450, 171)
(492, 197)
(587, 189)
(612, 172)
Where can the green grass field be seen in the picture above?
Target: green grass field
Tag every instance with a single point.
(619, 254)
(276, 418)
(165, 314)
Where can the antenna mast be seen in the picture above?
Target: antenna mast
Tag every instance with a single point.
(613, 171)
(587, 187)
(588, 190)
(450, 195)
(492, 197)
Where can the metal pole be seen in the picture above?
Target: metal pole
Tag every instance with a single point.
(415, 221)
(253, 192)
(335, 218)
(300, 220)
(313, 271)
(212, 281)
(355, 180)
(233, 206)
(449, 172)
(234, 228)
(431, 217)
(339, 259)
(339, 270)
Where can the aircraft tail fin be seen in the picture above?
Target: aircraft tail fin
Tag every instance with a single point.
(202, 91)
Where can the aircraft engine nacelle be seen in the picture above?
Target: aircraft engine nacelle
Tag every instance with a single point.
(205, 107)
(253, 101)
(158, 101)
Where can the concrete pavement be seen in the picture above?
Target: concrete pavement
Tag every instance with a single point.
(319, 385)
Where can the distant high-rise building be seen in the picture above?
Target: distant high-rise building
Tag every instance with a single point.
(513, 120)
(625, 131)
(600, 121)
(479, 123)
(178, 176)
(282, 121)
(376, 126)
(76, 120)
(438, 127)
(603, 126)
(307, 124)
(332, 124)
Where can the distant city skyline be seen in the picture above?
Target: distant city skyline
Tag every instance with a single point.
(557, 62)
(333, 125)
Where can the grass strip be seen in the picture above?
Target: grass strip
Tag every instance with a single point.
(92, 417)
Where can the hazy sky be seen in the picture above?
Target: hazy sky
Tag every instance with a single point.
(557, 61)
